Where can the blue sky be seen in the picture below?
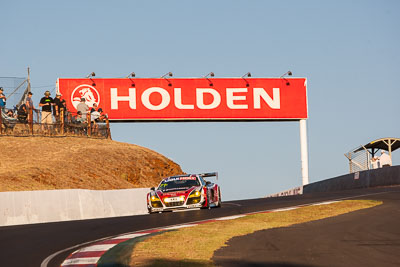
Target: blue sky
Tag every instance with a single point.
(348, 51)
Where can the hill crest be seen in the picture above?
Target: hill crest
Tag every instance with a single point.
(42, 163)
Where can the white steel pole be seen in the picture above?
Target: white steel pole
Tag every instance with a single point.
(304, 151)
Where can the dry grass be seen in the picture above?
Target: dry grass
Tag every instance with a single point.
(40, 163)
(196, 245)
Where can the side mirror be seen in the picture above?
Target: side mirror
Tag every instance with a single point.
(152, 189)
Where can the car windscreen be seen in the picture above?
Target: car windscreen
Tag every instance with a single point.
(178, 183)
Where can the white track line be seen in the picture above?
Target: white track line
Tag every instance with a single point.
(230, 217)
(78, 261)
(286, 209)
(179, 226)
(325, 203)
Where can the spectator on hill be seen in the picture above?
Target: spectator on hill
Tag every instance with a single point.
(79, 118)
(94, 116)
(375, 162)
(22, 114)
(385, 159)
(83, 107)
(64, 107)
(29, 102)
(57, 107)
(94, 113)
(46, 103)
(94, 108)
(103, 115)
(97, 114)
(2, 99)
(10, 113)
(78, 125)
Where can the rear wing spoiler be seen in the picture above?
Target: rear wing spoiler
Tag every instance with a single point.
(209, 174)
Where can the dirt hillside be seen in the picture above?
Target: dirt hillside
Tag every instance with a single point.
(39, 163)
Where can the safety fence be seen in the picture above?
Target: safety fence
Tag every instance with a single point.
(32, 122)
(359, 159)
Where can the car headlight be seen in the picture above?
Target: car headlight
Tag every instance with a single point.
(195, 194)
(154, 198)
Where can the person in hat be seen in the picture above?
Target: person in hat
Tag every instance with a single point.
(79, 117)
(46, 103)
(2, 99)
(103, 115)
(57, 107)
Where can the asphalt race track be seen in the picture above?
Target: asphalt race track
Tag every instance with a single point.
(369, 237)
(29, 245)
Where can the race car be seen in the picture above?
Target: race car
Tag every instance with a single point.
(184, 192)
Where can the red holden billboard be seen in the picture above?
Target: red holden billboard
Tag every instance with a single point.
(175, 99)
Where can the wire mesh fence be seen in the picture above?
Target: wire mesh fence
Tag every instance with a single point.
(359, 159)
(18, 118)
(35, 123)
(14, 90)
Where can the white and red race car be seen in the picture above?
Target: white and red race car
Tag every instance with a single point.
(184, 192)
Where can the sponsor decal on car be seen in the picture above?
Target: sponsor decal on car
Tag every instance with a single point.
(180, 179)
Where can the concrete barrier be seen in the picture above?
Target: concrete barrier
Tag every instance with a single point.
(290, 192)
(371, 178)
(25, 207)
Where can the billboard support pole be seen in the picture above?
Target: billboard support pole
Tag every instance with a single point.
(304, 151)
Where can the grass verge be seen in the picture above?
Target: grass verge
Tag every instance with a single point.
(196, 245)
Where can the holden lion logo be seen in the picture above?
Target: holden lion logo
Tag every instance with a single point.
(85, 91)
